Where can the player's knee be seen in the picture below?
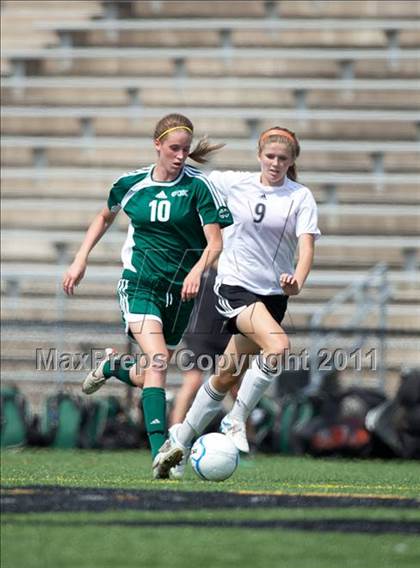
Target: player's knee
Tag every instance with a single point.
(154, 368)
(224, 380)
(159, 362)
(137, 379)
(277, 346)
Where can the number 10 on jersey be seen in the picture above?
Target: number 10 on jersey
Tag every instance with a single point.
(160, 210)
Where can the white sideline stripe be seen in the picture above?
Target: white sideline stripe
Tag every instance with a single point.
(69, 53)
(231, 144)
(273, 114)
(309, 177)
(50, 272)
(62, 205)
(17, 236)
(22, 82)
(183, 23)
(92, 305)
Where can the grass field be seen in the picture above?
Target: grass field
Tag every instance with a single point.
(99, 509)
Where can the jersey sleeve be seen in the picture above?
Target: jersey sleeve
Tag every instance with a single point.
(223, 181)
(211, 205)
(116, 195)
(307, 217)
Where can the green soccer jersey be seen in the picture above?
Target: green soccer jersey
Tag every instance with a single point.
(165, 237)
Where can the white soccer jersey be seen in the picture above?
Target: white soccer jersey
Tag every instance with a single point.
(268, 220)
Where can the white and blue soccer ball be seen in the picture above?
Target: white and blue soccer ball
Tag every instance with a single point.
(214, 457)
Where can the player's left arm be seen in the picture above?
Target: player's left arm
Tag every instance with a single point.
(292, 284)
(210, 254)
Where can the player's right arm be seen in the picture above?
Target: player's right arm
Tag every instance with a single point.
(96, 230)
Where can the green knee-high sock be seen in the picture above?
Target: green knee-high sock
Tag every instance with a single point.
(113, 368)
(154, 412)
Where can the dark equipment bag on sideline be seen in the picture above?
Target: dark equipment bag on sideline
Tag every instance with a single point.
(337, 426)
(396, 424)
(14, 418)
(60, 425)
(107, 425)
(296, 410)
(330, 422)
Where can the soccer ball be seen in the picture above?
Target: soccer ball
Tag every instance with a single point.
(214, 457)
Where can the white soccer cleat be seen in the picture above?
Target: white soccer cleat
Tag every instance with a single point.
(95, 379)
(177, 472)
(235, 430)
(168, 457)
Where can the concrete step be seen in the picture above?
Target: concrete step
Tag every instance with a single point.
(393, 220)
(127, 121)
(299, 314)
(44, 280)
(331, 252)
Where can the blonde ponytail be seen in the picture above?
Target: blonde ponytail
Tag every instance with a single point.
(201, 150)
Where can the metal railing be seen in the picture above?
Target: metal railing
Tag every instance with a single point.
(370, 294)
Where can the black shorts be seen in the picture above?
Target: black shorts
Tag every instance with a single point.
(232, 300)
(206, 333)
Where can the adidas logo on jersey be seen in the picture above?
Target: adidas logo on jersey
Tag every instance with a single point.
(162, 195)
(155, 421)
(180, 193)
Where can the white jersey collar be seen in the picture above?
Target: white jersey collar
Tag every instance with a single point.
(272, 188)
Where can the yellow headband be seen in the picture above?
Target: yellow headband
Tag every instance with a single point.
(174, 128)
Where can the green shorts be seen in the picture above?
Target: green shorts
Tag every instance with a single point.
(139, 302)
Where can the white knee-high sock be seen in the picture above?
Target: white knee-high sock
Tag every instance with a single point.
(254, 384)
(207, 403)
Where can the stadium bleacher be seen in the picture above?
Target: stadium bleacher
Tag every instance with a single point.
(83, 84)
